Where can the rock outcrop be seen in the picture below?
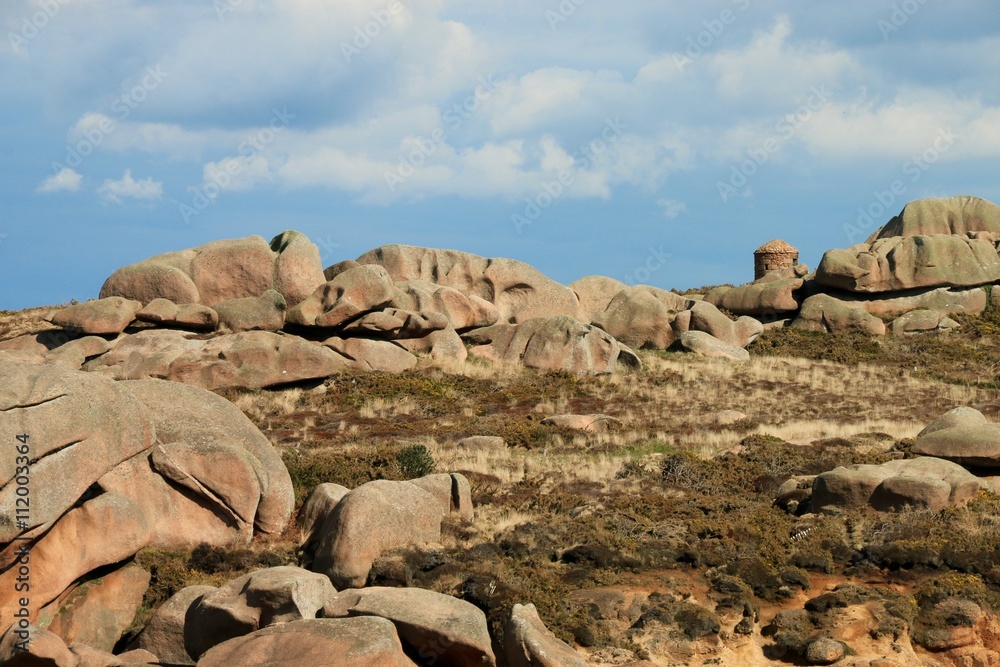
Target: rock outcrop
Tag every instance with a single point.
(383, 515)
(518, 291)
(223, 270)
(554, 344)
(255, 601)
(164, 464)
(896, 263)
(962, 435)
(775, 294)
(360, 642)
(438, 629)
(962, 215)
(924, 482)
(252, 359)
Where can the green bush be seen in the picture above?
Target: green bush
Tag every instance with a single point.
(415, 461)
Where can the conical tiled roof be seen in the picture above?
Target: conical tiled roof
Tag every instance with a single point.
(777, 246)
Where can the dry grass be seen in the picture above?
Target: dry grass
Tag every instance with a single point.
(380, 408)
(21, 322)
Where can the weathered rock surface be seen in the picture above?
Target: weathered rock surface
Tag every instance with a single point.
(595, 294)
(371, 519)
(223, 270)
(922, 482)
(825, 313)
(372, 355)
(462, 311)
(916, 321)
(365, 641)
(298, 268)
(962, 215)
(164, 464)
(441, 347)
(318, 506)
(187, 316)
(528, 643)
(109, 316)
(706, 345)
(642, 316)
(76, 422)
(206, 444)
(350, 294)
(438, 628)
(99, 612)
(518, 291)
(252, 602)
(262, 313)
(943, 300)
(824, 651)
(555, 343)
(897, 263)
(962, 435)
(163, 636)
(251, 359)
(774, 294)
(43, 649)
(56, 559)
(709, 319)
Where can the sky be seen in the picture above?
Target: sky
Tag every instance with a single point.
(653, 141)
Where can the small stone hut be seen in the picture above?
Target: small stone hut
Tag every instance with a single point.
(772, 256)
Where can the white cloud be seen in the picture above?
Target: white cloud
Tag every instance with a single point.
(129, 188)
(66, 179)
(671, 207)
(237, 173)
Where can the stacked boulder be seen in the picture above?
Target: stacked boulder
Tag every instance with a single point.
(930, 262)
(251, 314)
(952, 460)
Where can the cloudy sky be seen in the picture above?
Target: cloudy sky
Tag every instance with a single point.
(655, 141)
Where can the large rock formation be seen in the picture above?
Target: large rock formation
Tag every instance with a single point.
(250, 359)
(554, 344)
(359, 642)
(518, 291)
(438, 629)
(223, 270)
(383, 515)
(962, 435)
(962, 215)
(897, 263)
(252, 602)
(924, 482)
(641, 316)
(776, 293)
(152, 464)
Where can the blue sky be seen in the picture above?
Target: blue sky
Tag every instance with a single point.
(657, 142)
